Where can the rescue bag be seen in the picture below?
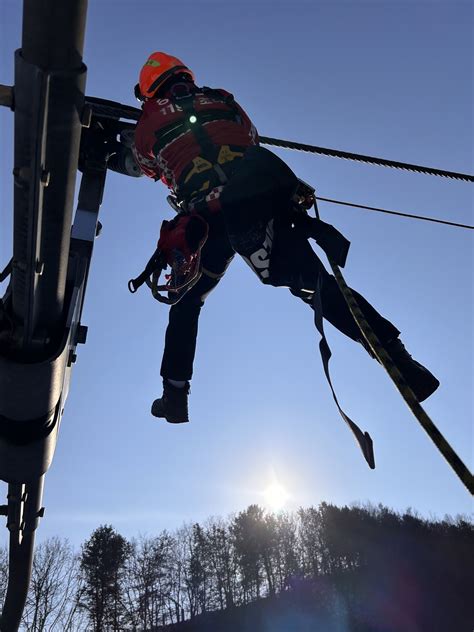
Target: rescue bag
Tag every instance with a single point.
(179, 247)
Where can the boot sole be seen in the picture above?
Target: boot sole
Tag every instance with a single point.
(171, 420)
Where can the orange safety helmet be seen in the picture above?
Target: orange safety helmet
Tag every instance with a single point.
(158, 68)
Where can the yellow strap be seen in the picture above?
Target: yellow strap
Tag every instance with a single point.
(204, 187)
(200, 165)
(227, 155)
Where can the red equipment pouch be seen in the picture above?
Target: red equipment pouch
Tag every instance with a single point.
(182, 238)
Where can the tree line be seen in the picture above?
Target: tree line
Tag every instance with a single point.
(384, 566)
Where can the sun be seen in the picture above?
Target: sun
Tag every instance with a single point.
(275, 496)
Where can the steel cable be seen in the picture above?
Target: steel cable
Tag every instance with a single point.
(384, 210)
(112, 109)
(335, 153)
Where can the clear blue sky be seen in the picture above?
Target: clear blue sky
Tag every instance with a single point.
(392, 79)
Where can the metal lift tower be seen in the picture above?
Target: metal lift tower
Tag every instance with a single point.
(57, 132)
(40, 312)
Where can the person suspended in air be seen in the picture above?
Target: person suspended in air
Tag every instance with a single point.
(232, 196)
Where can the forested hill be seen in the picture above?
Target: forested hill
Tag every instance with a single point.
(320, 569)
(356, 570)
(413, 577)
(352, 602)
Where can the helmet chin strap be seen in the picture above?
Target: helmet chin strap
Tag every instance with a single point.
(180, 88)
(138, 95)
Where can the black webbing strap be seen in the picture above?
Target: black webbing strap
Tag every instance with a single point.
(406, 392)
(207, 146)
(194, 122)
(168, 134)
(228, 99)
(363, 438)
(154, 264)
(6, 271)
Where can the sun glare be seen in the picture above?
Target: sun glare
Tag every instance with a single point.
(276, 496)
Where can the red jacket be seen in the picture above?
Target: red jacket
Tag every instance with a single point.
(175, 158)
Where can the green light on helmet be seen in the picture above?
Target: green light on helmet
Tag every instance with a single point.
(192, 118)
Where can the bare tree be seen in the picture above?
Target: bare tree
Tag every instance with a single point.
(246, 530)
(223, 561)
(3, 572)
(51, 603)
(178, 606)
(146, 586)
(313, 555)
(197, 570)
(286, 550)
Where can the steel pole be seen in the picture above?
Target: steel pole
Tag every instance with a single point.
(24, 511)
(48, 101)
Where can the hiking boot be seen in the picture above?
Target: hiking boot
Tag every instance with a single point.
(173, 404)
(421, 381)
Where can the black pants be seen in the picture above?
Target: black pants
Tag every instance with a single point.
(181, 334)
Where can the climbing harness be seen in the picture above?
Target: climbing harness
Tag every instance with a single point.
(202, 173)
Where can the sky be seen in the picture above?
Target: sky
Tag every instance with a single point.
(391, 79)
